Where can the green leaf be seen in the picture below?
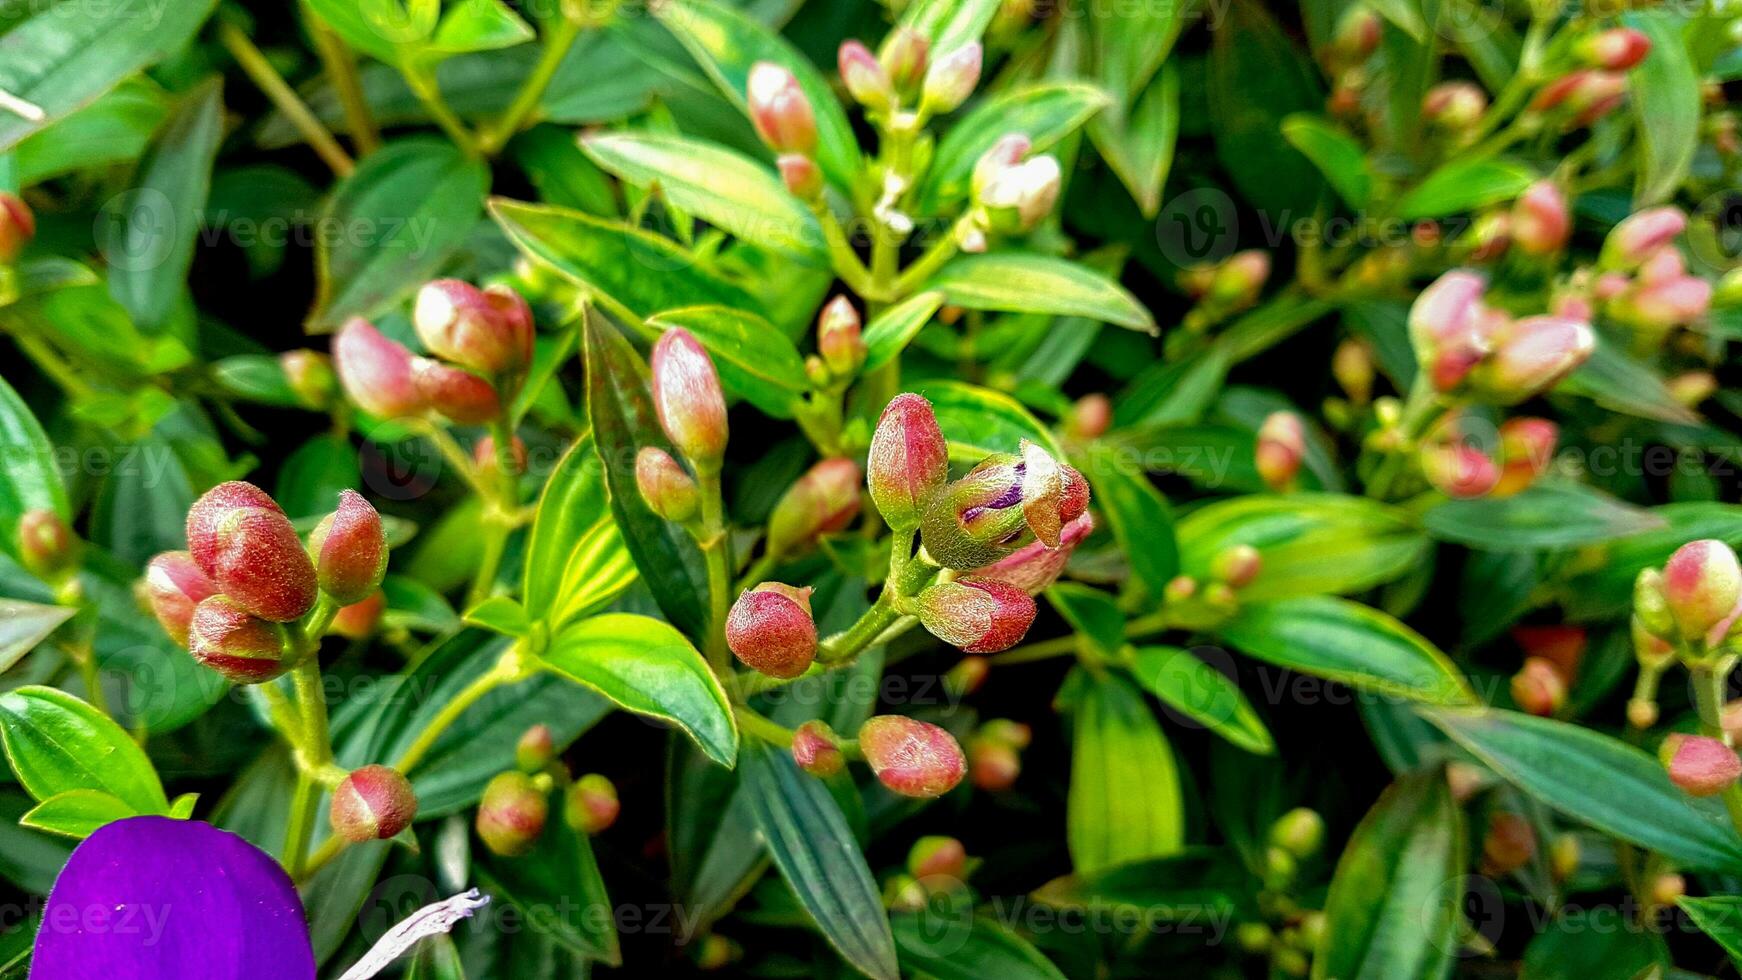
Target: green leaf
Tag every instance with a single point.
(576, 561)
(114, 129)
(1615, 380)
(312, 477)
(1139, 144)
(436, 958)
(1091, 613)
(499, 614)
(1141, 521)
(29, 480)
(979, 421)
(1337, 156)
(1045, 113)
(1664, 91)
(1349, 643)
(1183, 887)
(76, 812)
(1311, 543)
(1549, 514)
(404, 211)
(62, 57)
(1202, 693)
(1257, 78)
(889, 332)
(726, 43)
(379, 28)
(477, 25)
(1720, 917)
(755, 360)
(1599, 781)
(815, 850)
(1464, 185)
(949, 24)
(1125, 802)
(1567, 948)
(23, 625)
(647, 667)
(1396, 901)
(1020, 282)
(624, 422)
(632, 273)
(720, 186)
(57, 743)
(150, 233)
(956, 944)
(255, 377)
(558, 891)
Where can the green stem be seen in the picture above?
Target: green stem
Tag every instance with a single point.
(341, 68)
(845, 261)
(758, 571)
(501, 511)
(1710, 685)
(713, 539)
(1420, 411)
(1062, 646)
(312, 744)
(423, 84)
(510, 668)
(927, 265)
(763, 727)
(52, 364)
(556, 47)
(304, 803)
(254, 64)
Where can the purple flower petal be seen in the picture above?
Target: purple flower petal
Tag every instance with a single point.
(151, 898)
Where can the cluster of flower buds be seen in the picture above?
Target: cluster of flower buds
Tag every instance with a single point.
(1461, 468)
(516, 804)
(17, 227)
(1224, 288)
(1012, 190)
(782, 114)
(822, 501)
(1699, 765)
(1695, 601)
(246, 573)
(905, 73)
(771, 630)
(995, 754)
(47, 547)
(912, 758)
(372, 803)
(1641, 278)
(310, 377)
(1295, 837)
(481, 341)
(840, 341)
(1280, 450)
(1459, 340)
(990, 513)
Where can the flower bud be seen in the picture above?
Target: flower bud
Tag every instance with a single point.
(1300, 832)
(1004, 731)
(1532, 356)
(801, 175)
(937, 857)
(1651, 604)
(667, 490)
(1562, 646)
(966, 676)
(17, 227)
(1662, 305)
(1526, 449)
(1617, 49)
(1357, 35)
(993, 765)
(951, 79)
(983, 517)
(376, 371)
(912, 758)
(715, 952)
(1237, 566)
(244, 543)
(535, 750)
(358, 620)
(1446, 328)
(1702, 584)
(511, 814)
(372, 803)
(458, 394)
(310, 376)
(1584, 96)
(1454, 105)
(1034, 567)
(1667, 888)
(591, 804)
(1017, 197)
(866, 81)
(904, 56)
(688, 398)
(1652, 651)
(1698, 765)
(174, 585)
(484, 455)
(839, 337)
(1239, 278)
(244, 649)
(1280, 449)
(349, 548)
(46, 546)
(1090, 417)
(1509, 845)
(909, 461)
(977, 616)
(1564, 856)
(487, 333)
(770, 629)
(823, 501)
(1008, 151)
(780, 111)
(1538, 688)
(1540, 223)
(1458, 469)
(1640, 235)
(817, 750)
(1255, 938)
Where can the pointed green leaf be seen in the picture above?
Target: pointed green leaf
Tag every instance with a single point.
(1349, 643)
(23, 625)
(889, 333)
(1337, 156)
(956, 944)
(58, 743)
(1549, 514)
(76, 812)
(1202, 693)
(1125, 802)
(576, 561)
(1019, 282)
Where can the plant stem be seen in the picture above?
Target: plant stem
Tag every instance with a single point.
(341, 68)
(423, 84)
(1710, 684)
(763, 727)
(501, 510)
(924, 267)
(510, 668)
(713, 539)
(267, 78)
(311, 741)
(556, 47)
(1419, 412)
(1062, 646)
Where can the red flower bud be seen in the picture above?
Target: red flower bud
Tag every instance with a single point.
(975, 615)
(46, 546)
(1090, 417)
(1237, 566)
(687, 396)
(1702, 585)
(780, 111)
(484, 454)
(951, 79)
(904, 57)
(488, 333)
(1446, 328)
(1539, 688)
(1510, 844)
(770, 629)
(993, 765)
(358, 620)
(1540, 223)
(1640, 235)
(458, 394)
(937, 857)
(591, 805)
(349, 548)
(1454, 105)
(1662, 305)
(244, 649)
(174, 585)
(866, 81)
(816, 749)
(667, 490)
(909, 461)
(1532, 356)
(376, 371)
(839, 337)
(1458, 469)
(911, 757)
(1280, 449)
(801, 175)
(244, 543)
(1700, 766)
(372, 803)
(17, 227)
(1617, 49)
(1034, 567)
(1562, 646)
(823, 501)
(1526, 449)
(535, 750)
(511, 814)
(1357, 35)
(310, 376)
